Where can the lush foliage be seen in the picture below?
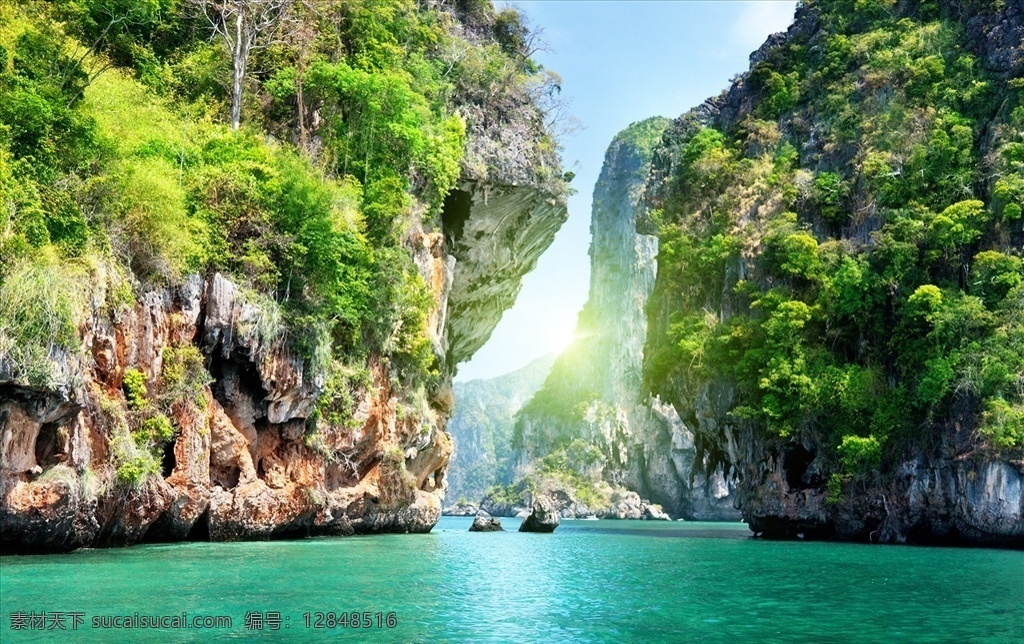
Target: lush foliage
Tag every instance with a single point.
(576, 467)
(135, 391)
(183, 378)
(866, 287)
(39, 305)
(118, 172)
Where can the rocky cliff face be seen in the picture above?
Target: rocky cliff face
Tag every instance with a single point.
(594, 392)
(950, 494)
(494, 234)
(951, 487)
(247, 455)
(242, 464)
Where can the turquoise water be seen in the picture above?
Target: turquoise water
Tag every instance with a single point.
(589, 581)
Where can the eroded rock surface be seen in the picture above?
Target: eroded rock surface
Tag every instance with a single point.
(543, 517)
(249, 459)
(508, 230)
(486, 523)
(243, 463)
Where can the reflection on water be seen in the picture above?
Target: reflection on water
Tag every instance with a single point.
(590, 580)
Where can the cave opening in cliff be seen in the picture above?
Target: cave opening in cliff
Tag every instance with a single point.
(167, 462)
(227, 477)
(455, 212)
(236, 376)
(48, 451)
(200, 530)
(292, 531)
(797, 460)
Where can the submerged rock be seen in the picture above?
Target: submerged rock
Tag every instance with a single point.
(486, 523)
(544, 517)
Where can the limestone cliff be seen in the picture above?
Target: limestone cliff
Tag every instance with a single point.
(243, 465)
(594, 392)
(495, 233)
(833, 426)
(208, 368)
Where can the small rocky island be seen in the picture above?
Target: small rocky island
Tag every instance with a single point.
(543, 518)
(486, 523)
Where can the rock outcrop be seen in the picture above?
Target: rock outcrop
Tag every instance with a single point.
(595, 390)
(930, 498)
(486, 523)
(616, 503)
(502, 507)
(243, 463)
(493, 248)
(238, 468)
(543, 517)
(631, 506)
(460, 510)
(206, 373)
(950, 488)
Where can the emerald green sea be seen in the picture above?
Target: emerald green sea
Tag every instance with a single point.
(603, 581)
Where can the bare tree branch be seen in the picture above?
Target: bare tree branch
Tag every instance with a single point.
(245, 25)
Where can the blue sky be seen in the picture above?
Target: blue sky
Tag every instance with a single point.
(620, 62)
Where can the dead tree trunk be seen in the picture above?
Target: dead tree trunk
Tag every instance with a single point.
(244, 25)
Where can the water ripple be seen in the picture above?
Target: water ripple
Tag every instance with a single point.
(597, 581)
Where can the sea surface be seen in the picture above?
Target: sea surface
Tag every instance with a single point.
(600, 581)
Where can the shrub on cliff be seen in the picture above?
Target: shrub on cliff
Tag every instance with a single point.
(39, 306)
(394, 482)
(133, 459)
(184, 377)
(1003, 423)
(135, 389)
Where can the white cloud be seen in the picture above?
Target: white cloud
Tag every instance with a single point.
(757, 20)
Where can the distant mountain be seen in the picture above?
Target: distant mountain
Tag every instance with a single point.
(481, 428)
